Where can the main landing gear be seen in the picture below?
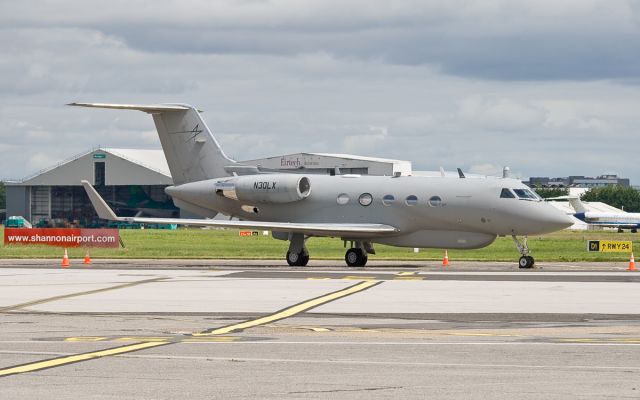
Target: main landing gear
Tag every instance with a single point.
(358, 254)
(525, 261)
(297, 255)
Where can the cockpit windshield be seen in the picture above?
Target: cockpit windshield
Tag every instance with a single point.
(526, 194)
(522, 194)
(507, 194)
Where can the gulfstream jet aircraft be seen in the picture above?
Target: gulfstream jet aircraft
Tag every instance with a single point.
(407, 211)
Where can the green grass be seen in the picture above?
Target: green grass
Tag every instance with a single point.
(213, 243)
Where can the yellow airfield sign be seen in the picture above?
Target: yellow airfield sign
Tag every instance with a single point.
(610, 246)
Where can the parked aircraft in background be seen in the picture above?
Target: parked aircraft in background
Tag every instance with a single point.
(406, 211)
(620, 220)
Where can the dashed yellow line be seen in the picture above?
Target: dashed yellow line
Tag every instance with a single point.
(291, 311)
(88, 292)
(56, 362)
(149, 342)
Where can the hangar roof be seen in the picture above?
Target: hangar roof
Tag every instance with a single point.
(122, 166)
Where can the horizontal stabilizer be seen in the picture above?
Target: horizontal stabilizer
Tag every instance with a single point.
(149, 108)
(361, 231)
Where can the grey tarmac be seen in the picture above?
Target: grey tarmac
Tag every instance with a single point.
(235, 329)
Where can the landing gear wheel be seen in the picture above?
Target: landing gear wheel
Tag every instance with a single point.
(297, 259)
(356, 258)
(526, 262)
(634, 231)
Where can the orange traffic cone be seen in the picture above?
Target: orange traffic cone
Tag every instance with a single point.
(632, 264)
(65, 260)
(445, 260)
(87, 259)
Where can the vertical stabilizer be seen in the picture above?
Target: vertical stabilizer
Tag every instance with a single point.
(577, 204)
(193, 154)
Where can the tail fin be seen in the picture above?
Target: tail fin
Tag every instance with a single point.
(193, 154)
(575, 202)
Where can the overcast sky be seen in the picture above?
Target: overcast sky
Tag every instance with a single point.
(548, 87)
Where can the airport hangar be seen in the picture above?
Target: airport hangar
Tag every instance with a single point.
(133, 182)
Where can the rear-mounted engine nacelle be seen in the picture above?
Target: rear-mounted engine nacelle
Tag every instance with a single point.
(267, 188)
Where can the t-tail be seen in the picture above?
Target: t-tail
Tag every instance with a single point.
(193, 154)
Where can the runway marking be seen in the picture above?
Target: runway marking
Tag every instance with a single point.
(406, 273)
(392, 363)
(85, 293)
(149, 342)
(605, 340)
(358, 278)
(292, 310)
(172, 339)
(59, 361)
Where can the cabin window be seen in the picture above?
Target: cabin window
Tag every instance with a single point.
(411, 200)
(507, 194)
(435, 201)
(388, 199)
(365, 199)
(343, 199)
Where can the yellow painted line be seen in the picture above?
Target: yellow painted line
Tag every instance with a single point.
(405, 273)
(291, 311)
(86, 339)
(67, 296)
(359, 278)
(56, 362)
(408, 278)
(307, 328)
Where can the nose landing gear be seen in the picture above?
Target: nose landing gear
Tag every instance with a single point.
(525, 261)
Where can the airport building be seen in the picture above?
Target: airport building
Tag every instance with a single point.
(323, 163)
(132, 181)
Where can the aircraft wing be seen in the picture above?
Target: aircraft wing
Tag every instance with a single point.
(360, 231)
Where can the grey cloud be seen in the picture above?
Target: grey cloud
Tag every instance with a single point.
(455, 88)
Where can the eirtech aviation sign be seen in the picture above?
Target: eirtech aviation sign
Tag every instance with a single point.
(610, 246)
(62, 237)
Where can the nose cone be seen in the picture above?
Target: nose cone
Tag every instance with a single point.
(557, 220)
(549, 219)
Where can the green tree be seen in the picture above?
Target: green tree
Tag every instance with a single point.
(3, 197)
(545, 193)
(623, 197)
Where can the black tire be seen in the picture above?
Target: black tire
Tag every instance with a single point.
(304, 260)
(523, 262)
(526, 262)
(355, 258)
(293, 258)
(532, 262)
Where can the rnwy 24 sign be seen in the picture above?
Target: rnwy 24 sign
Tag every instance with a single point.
(610, 246)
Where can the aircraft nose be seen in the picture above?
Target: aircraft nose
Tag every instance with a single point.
(556, 220)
